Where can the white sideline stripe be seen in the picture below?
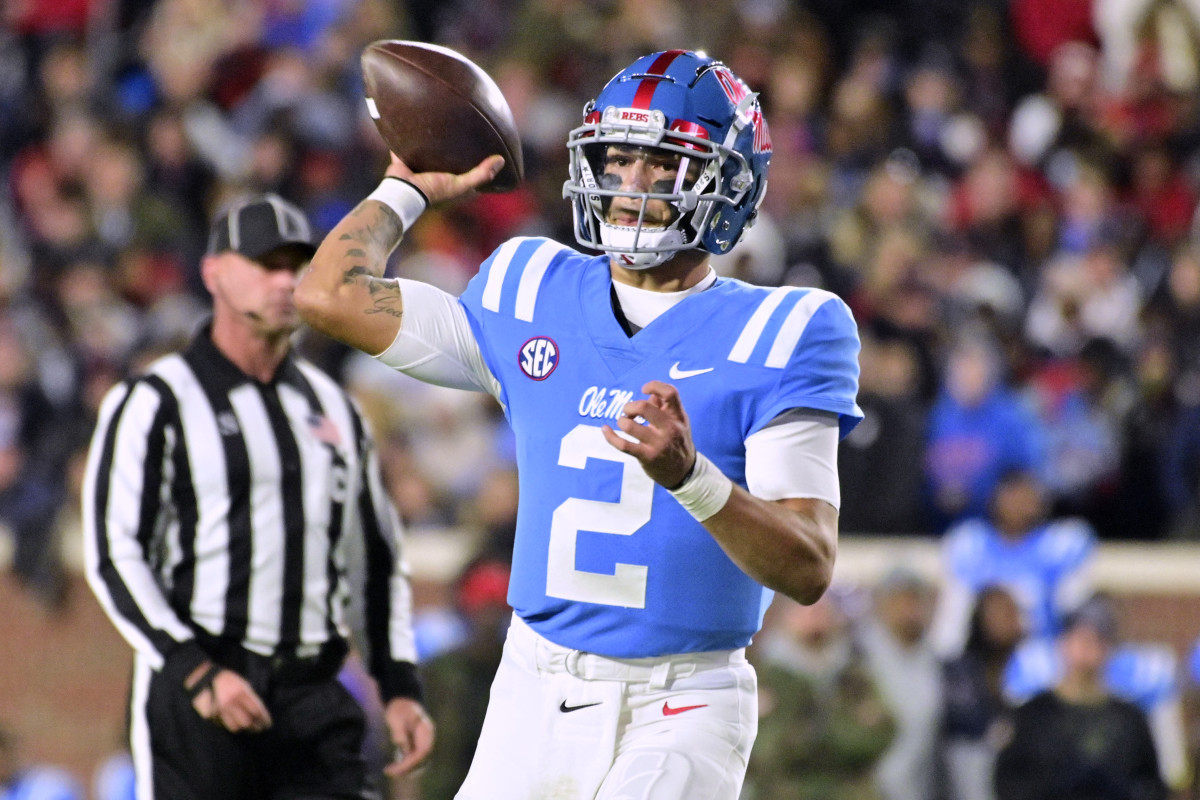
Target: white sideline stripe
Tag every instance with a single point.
(495, 281)
(793, 327)
(744, 346)
(531, 278)
(139, 730)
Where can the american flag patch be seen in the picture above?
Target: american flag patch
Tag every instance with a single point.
(324, 430)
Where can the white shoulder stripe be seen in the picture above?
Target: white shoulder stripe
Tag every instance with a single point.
(495, 280)
(793, 327)
(744, 346)
(531, 278)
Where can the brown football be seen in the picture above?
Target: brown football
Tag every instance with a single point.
(439, 111)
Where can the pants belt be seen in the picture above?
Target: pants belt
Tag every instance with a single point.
(658, 671)
(281, 669)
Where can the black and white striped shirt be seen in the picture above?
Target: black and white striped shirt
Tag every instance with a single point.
(218, 504)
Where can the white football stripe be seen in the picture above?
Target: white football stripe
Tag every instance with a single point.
(793, 327)
(744, 346)
(495, 280)
(531, 278)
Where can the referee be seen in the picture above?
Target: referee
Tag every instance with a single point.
(225, 491)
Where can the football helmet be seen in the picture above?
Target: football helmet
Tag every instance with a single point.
(697, 114)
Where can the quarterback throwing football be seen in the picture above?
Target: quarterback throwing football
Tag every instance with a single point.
(647, 547)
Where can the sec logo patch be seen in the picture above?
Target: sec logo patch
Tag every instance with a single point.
(538, 357)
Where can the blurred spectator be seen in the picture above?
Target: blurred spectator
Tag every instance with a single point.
(881, 493)
(1044, 563)
(458, 681)
(1159, 38)
(1077, 740)
(894, 638)
(1142, 673)
(979, 429)
(20, 780)
(985, 207)
(823, 723)
(32, 460)
(888, 202)
(1160, 195)
(1063, 115)
(1086, 403)
(975, 704)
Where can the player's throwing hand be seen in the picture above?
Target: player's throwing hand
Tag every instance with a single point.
(441, 187)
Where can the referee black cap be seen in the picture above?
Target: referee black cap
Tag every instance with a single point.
(257, 225)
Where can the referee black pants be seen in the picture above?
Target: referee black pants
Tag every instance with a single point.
(312, 751)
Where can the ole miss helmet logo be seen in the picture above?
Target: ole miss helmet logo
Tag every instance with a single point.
(538, 357)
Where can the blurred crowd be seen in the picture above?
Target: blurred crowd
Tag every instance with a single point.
(1004, 191)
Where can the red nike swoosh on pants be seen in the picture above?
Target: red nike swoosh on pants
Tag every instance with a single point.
(670, 712)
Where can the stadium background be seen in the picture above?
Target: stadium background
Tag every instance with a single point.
(1005, 183)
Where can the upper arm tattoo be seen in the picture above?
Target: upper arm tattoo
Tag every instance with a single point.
(385, 293)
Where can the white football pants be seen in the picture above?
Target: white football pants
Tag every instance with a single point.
(567, 725)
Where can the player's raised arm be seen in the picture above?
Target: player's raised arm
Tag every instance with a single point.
(343, 294)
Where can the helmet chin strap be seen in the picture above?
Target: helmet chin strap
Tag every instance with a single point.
(618, 242)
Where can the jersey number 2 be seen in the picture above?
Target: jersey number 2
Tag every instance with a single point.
(627, 585)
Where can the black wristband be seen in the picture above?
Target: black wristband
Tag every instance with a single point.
(204, 683)
(400, 679)
(182, 661)
(686, 477)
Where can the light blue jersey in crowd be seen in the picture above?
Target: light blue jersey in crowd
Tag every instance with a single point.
(605, 560)
(1044, 569)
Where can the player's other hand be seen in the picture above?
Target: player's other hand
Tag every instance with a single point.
(233, 704)
(412, 733)
(664, 444)
(442, 187)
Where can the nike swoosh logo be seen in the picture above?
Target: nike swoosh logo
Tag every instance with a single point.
(566, 709)
(670, 712)
(676, 373)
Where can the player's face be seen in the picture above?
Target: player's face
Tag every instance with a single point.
(258, 293)
(642, 169)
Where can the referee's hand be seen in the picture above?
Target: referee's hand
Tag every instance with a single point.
(231, 703)
(412, 734)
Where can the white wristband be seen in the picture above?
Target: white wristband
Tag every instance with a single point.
(405, 200)
(706, 490)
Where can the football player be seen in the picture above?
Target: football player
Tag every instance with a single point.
(648, 545)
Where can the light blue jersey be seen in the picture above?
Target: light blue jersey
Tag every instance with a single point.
(605, 560)
(1044, 570)
(1145, 673)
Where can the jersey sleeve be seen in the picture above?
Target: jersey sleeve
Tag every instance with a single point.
(386, 589)
(436, 344)
(822, 370)
(123, 496)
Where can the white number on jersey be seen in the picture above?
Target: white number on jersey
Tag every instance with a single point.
(627, 585)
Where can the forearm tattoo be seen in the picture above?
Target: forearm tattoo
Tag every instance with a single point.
(366, 254)
(385, 293)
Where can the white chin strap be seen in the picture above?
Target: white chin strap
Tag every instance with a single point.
(654, 245)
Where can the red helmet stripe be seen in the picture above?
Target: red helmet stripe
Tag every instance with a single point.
(641, 99)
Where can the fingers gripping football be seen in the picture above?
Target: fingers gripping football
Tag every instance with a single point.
(442, 187)
(663, 444)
